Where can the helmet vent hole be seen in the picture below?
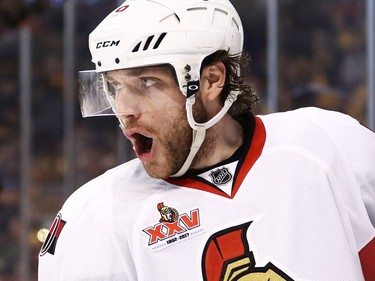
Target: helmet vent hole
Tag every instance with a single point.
(144, 45)
(148, 41)
(136, 48)
(199, 15)
(171, 18)
(235, 24)
(160, 39)
(117, 60)
(220, 17)
(178, 18)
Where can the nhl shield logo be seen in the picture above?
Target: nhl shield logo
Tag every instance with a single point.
(221, 176)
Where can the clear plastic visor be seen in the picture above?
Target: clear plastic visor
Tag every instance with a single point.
(128, 91)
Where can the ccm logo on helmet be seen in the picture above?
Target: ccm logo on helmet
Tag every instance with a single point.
(105, 44)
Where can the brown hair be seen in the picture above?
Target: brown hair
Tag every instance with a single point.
(237, 69)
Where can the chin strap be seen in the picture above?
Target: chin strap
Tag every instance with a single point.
(232, 97)
(198, 138)
(199, 129)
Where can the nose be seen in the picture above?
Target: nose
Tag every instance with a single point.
(128, 106)
(128, 118)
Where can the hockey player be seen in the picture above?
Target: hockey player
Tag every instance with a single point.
(216, 193)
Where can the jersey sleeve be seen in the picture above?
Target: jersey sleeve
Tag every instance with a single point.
(81, 244)
(358, 144)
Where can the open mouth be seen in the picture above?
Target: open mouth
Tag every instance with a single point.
(142, 144)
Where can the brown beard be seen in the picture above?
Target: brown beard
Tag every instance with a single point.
(209, 143)
(175, 140)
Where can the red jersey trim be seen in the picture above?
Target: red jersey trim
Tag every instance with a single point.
(254, 152)
(367, 257)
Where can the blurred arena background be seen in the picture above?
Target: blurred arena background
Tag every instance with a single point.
(305, 53)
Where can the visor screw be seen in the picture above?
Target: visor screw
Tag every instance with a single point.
(117, 60)
(187, 77)
(187, 68)
(99, 63)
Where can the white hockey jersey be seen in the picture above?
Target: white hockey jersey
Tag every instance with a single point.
(296, 202)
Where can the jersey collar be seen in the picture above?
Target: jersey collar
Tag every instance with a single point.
(243, 159)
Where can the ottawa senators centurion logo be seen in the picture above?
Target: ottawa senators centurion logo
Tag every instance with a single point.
(226, 257)
(168, 214)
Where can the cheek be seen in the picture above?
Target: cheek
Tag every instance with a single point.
(176, 136)
(175, 125)
(199, 111)
(171, 128)
(170, 98)
(173, 145)
(178, 98)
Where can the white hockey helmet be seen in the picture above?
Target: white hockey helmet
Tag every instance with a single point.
(152, 32)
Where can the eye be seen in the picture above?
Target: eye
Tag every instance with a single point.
(147, 82)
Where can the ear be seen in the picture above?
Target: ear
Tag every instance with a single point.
(212, 82)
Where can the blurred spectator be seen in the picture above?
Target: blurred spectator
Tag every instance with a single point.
(9, 230)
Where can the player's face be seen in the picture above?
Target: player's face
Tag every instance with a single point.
(162, 136)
